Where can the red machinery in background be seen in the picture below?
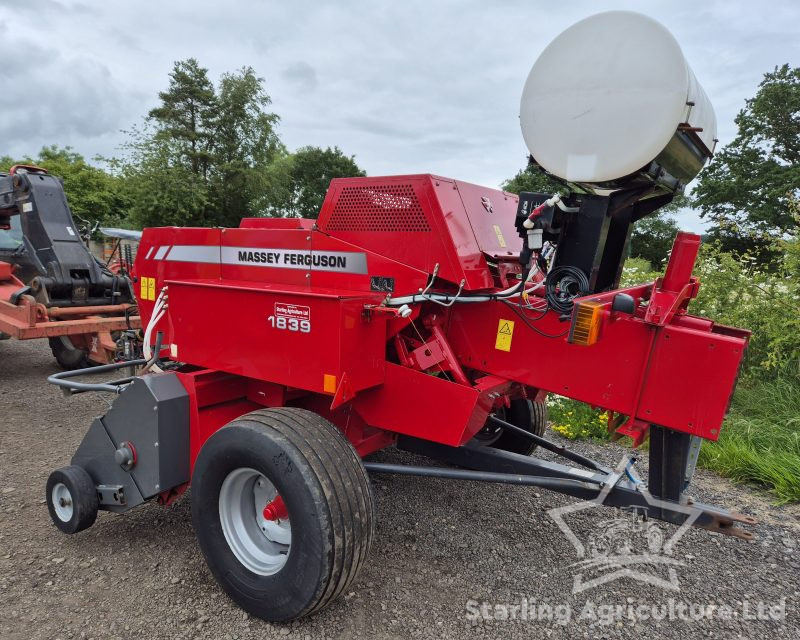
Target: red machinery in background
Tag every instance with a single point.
(50, 285)
(281, 352)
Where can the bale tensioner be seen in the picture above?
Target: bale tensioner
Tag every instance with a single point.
(424, 313)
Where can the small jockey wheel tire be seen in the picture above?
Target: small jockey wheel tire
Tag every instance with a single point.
(71, 498)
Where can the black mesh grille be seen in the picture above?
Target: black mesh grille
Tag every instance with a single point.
(393, 207)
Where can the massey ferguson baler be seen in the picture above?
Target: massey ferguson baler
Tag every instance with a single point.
(419, 312)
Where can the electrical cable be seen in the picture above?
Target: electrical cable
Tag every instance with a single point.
(528, 322)
(562, 285)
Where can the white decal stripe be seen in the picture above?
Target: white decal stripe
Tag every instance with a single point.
(160, 253)
(149, 251)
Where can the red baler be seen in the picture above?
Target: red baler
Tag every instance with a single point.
(428, 314)
(401, 317)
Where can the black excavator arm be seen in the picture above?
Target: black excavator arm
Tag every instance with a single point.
(52, 258)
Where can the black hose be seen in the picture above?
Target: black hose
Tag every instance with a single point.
(116, 386)
(562, 285)
(550, 446)
(60, 379)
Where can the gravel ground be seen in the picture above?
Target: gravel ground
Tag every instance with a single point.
(442, 549)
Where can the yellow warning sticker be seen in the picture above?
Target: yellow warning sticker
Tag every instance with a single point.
(500, 238)
(148, 291)
(505, 331)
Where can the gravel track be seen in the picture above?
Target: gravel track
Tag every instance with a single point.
(439, 545)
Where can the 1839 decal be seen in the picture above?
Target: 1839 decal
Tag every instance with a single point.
(291, 317)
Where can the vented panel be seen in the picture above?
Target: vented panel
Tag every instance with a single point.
(392, 207)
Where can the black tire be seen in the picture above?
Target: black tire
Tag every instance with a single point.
(327, 494)
(82, 494)
(68, 355)
(531, 416)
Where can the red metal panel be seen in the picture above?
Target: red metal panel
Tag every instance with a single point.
(690, 380)
(238, 329)
(156, 258)
(261, 241)
(491, 214)
(606, 374)
(425, 220)
(685, 385)
(423, 406)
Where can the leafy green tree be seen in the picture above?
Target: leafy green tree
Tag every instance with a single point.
(93, 194)
(188, 113)
(653, 235)
(747, 189)
(652, 238)
(299, 181)
(531, 179)
(203, 155)
(161, 191)
(245, 144)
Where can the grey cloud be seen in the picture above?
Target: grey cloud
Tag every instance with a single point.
(302, 75)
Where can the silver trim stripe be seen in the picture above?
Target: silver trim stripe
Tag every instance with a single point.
(194, 253)
(336, 261)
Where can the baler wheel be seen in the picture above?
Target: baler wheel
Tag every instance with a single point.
(531, 416)
(68, 355)
(294, 554)
(71, 499)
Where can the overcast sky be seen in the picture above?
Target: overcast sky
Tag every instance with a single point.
(406, 87)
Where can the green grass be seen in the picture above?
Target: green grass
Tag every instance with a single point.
(759, 442)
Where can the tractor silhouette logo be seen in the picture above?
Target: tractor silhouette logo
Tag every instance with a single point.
(624, 546)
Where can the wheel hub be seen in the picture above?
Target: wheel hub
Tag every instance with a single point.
(255, 521)
(62, 502)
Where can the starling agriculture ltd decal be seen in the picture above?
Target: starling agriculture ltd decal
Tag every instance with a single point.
(625, 546)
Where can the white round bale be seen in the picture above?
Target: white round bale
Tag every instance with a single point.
(605, 98)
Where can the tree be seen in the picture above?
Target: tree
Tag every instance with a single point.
(245, 144)
(299, 181)
(93, 194)
(532, 179)
(652, 238)
(188, 112)
(747, 189)
(203, 155)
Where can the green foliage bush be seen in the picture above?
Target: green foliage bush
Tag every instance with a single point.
(574, 420)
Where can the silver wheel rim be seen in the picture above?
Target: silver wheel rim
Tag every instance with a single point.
(261, 545)
(62, 502)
